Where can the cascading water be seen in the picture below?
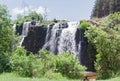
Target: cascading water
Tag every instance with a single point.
(52, 38)
(25, 29)
(61, 38)
(67, 41)
(14, 27)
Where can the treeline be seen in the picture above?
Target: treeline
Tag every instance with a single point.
(105, 7)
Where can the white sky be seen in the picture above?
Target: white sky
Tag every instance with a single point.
(59, 9)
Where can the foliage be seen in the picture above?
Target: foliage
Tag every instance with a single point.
(29, 66)
(44, 22)
(69, 66)
(14, 77)
(33, 15)
(66, 64)
(23, 64)
(58, 66)
(20, 20)
(83, 25)
(53, 75)
(63, 21)
(107, 43)
(6, 36)
(114, 21)
(105, 7)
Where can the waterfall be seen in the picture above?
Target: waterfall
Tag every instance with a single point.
(14, 27)
(37, 23)
(61, 38)
(58, 38)
(67, 41)
(52, 38)
(25, 29)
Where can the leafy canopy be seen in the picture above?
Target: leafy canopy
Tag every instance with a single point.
(6, 36)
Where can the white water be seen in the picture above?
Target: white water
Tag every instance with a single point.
(61, 39)
(37, 23)
(67, 39)
(25, 29)
(14, 27)
(51, 38)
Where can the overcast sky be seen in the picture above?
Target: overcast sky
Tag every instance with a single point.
(59, 9)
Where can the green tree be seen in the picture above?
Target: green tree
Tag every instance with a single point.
(106, 39)
(6, 34)
(105, 7)
(20, 19)
(36, 16)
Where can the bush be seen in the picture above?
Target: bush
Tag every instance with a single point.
(28, 66)
(22, 64)
(113, 21)
(83, 25)
(66, 64)
(107, 43)
(47, 65)
(69, 66)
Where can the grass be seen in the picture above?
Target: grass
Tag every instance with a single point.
(113, 79)
(13, 77)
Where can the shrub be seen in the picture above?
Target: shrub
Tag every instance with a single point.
(83, 25)
(21, 63)
(66, 64)
(107, 43)
(69, 66)
(47, 65)
(113, 21)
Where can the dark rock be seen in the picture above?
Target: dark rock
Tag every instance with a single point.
(18, 30)
(56, 21)
(33, 23)
(83, 54)
(35, 39)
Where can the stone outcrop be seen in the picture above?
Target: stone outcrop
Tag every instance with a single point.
(35, 39)
(83, 52)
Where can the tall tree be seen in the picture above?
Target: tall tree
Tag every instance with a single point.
(105, 7)
(5, 38)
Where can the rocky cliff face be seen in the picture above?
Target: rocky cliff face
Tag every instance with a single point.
(83, 52)
(35, 39)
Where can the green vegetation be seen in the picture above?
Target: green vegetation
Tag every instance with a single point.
(106, 40)
(113, 21)
(14, 77)
(33, 15)
(105, 7)
(47, 65)
(21, 63)
(44, 22)
(6, 36)
(83, 25)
